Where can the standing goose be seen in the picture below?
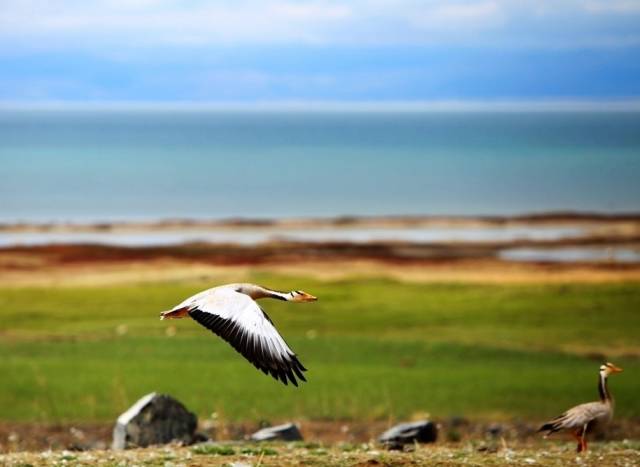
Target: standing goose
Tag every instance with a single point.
(584, 418)
(230, 311)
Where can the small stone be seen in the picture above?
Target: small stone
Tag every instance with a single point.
(423, 431)
(286, 432)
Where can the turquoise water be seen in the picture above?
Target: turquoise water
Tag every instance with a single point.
(595, 254)
(78, 165)
(251, 236)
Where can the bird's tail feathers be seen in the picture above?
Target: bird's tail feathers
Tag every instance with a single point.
(546, 427)
(175, 314)
(550, 427)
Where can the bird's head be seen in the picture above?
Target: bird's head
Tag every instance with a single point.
(609, 369)
(301, 296)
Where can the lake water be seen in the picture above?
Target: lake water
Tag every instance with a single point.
(80, 165)
(573, 254)
(256, 236)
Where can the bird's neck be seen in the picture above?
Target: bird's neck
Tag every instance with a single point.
(603, 390)
(257, 292)
(286, 296)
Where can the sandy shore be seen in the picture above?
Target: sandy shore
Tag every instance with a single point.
(619, 222)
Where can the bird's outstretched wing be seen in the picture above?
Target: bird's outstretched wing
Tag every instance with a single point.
(576, 417)
(242, 323)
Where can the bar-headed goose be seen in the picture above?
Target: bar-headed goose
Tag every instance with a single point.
(583, 418)
(230, 311)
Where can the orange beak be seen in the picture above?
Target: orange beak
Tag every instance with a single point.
(305, 297)
(614, 369)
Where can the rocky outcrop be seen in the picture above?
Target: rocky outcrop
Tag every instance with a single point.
(154, 419)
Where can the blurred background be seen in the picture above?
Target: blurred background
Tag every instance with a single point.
(456, 181)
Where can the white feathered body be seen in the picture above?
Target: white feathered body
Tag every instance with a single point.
(231, 312)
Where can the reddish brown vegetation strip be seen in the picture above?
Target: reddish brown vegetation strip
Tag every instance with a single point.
(291, 252)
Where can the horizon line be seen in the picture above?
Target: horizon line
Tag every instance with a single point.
(249, 219)
(631, 104)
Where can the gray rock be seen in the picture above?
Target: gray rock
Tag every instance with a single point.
(423, 431)
(286, 432)
(154, 419)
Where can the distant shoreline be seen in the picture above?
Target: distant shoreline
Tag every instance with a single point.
(379, 222)
(310, 106)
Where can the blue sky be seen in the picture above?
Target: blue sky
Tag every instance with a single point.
(344, 51)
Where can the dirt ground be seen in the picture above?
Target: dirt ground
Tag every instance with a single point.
(498, 453)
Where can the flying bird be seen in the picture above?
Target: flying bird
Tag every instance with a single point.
(584, 418)
(231, 312)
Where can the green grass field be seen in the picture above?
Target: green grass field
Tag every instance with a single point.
(375, 349)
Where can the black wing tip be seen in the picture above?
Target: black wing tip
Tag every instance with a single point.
(290, 371)
(298, 370)
(285, 371)
(291, 377)
(296, 362)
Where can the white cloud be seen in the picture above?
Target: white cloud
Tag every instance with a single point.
(164, 21)
(474, 15)
(65, 23)
(613, 6)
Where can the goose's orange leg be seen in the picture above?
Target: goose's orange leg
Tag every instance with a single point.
(584, 438)
(576, 435)
(581, 436)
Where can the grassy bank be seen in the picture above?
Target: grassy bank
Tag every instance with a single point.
(375, 349)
